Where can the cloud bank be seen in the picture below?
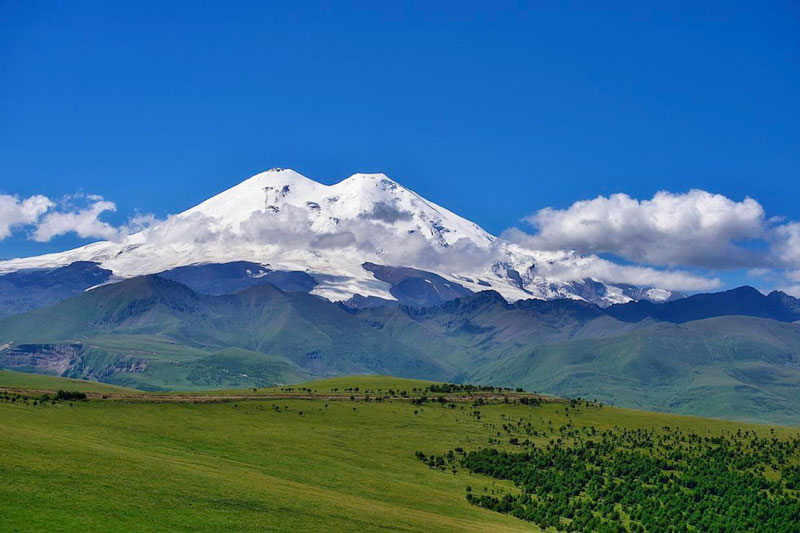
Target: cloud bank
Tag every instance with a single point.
(44, 219)
(15, 212)
(83, 221)
(695, 229)
(370, 238)
(569, 266)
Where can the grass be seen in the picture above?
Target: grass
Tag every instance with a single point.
(374, 383)
(368, 383)
(21, 380)
(309, 465)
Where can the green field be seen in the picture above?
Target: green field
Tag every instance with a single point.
(365, 384)
(10, 379)
(270, 465)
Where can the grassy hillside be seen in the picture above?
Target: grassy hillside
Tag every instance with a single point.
(739, 367)
(278, 465)
(21, 380)
(730, 367)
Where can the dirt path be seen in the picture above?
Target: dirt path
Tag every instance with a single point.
(155, 397)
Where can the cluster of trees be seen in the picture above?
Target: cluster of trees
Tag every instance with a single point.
(446, 388)
(535, 402)
(10, 397)
(60, 396)
(67, 396)
(642, 480)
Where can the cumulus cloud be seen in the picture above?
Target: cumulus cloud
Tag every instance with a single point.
(786, 246)
(83, 221)
(15, 212)
(791, 283)
(696, 229)
(334, 240)
(139, 222)
(569, 267)
(387, 213)
(42, 219)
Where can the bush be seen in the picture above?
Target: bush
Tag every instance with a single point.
(63, 396)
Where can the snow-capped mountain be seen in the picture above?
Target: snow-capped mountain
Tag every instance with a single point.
(285, 221)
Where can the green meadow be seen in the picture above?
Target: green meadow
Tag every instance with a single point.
(20, 380)
(272, 464)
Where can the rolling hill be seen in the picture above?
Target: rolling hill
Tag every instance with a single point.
(312, 459)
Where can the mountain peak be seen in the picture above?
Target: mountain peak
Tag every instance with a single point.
(365, 182)
(370, 176)
(148, 286)
(743, 300)
(746, 289)
(277, 175)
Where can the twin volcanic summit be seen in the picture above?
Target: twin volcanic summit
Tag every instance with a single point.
(351, 238)
(281, 279)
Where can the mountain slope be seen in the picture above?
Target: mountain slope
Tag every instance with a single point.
(226, 278)
(732, 354)
(416, 288)
(155, 332)
(745, 301)
(28, 289)
(731, 367)
(152, 332)
(727, 366)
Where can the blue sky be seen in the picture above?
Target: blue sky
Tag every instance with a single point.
(495, 110)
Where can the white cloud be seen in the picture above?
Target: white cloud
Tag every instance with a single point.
(786, 246)
(140, 222)
(373, 240)
(695, 229)
(42, 219)
(15, 212)
(334, 240)
(567, 266)
(84, 221)
(792, 286)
